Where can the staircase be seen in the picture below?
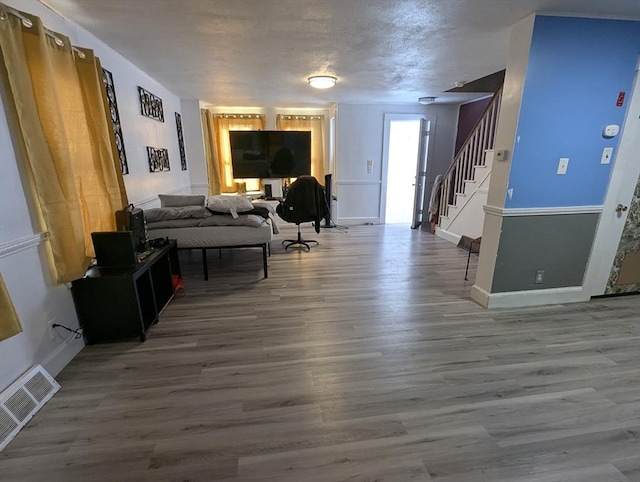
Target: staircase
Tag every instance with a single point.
(464, 186)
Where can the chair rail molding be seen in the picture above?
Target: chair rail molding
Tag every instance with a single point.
(151, 201)
(544, 211)
(21, 244)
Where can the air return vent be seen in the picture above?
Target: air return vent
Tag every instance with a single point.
(20, 402)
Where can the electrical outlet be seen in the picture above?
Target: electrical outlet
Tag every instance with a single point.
(607, 152)
(500, 155)
(563, 164)
(539, 277)
(52, 331)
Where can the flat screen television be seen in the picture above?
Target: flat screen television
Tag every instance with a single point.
(270, 154)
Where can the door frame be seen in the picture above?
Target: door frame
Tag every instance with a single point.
(431, 119)
(622, 183)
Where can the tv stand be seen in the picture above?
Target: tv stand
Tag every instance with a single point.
(117, 303)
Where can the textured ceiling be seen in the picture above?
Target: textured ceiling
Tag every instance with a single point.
(260, 52)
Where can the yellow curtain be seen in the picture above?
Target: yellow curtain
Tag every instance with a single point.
(315, 124)
(62, 137)
(217, 127)
(9, 323)
(213, 170)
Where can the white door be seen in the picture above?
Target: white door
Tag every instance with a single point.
(624, 178)
(403, 145)
(421, 174)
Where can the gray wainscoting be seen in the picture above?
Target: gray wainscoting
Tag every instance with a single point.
(558, 244)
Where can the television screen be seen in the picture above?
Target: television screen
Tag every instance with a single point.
(270, 154)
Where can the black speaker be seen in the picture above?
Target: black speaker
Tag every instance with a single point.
(114, 248)
(328, 192)
(132, 219)
(268, 193)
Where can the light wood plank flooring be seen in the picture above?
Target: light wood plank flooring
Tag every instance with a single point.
(362, 360)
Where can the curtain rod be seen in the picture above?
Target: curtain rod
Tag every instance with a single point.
(28, 23)
(240, 116)
(301, 117)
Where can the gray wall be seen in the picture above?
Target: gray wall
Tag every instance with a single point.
(558, 244)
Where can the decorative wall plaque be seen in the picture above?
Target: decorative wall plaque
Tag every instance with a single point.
(158, 159)
(183, 155)
(150, 105)
(107, 78)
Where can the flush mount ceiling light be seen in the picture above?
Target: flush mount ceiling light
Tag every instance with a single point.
(426, 100)
(322, 81)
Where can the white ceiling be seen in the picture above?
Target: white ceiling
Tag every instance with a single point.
(260, 52)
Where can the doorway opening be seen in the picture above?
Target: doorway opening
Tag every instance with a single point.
(402, 152)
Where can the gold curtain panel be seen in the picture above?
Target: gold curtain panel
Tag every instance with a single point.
(59, 122)
(9, 323)
(216, 129)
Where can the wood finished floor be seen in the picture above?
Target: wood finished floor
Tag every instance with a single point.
(363, 360)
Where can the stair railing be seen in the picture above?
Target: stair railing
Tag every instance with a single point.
(470, 155)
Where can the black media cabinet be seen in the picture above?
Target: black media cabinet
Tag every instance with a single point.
(116, 303)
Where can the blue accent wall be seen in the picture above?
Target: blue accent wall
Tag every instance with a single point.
(576, 68)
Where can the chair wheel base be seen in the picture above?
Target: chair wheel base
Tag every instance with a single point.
(288, 243)
(301, 243)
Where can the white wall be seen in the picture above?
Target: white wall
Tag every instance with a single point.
(37, 300)
(360, 138)
(194, 145)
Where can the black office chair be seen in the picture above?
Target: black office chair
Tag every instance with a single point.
(305, 202)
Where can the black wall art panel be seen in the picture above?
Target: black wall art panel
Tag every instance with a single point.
(107, 78)
(150, 105)
(183, 154)
(158, 159)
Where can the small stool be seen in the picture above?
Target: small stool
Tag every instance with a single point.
(474, 242)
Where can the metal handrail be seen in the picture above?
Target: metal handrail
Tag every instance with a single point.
(470, 155)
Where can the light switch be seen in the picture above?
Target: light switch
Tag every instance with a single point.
(607, 152)
(369, 166)
(562, 165)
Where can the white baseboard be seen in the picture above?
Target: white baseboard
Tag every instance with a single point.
(62, 355)
(448, 235)
(480, 296)
(515, 299)
(355, 221)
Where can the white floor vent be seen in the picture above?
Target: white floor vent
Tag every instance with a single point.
(22, 400)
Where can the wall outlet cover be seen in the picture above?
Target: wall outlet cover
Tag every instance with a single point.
(501, 155)
(563, 164)
(607, 153)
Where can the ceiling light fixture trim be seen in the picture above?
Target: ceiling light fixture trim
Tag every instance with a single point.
(322, 81)
(427, 100)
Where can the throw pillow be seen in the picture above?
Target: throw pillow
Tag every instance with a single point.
(178, 201)
(229, 204)
(166, 214)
